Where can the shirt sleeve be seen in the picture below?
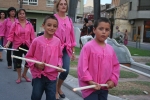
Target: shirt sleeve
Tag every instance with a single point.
(83, 73)
(60, 63)
(12, 32)
(31, 54)
(32, 33)
(72, 38)
(116, 70)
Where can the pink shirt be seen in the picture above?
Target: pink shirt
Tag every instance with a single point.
(65, 33)
(2, 28)
(7, 24)
(16, 35)
(98, 64)
(47, 51)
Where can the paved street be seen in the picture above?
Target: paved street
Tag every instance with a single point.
(9, 90)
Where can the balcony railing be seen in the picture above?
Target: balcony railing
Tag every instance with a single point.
(143, 7)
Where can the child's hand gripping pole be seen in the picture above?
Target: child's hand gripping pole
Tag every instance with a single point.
(34, 61)
(88, 87)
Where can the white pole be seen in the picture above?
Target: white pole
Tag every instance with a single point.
(34, 61)
(23, 49)
(88, 87)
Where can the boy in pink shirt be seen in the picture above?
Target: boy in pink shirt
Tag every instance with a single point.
(47, 49)
(98, 63)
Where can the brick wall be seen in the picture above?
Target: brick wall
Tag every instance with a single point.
(40, 7)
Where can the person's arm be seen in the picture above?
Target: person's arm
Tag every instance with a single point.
(31, 53)
(115, 72)
(83, 72)
(11, 35)
(32, 35)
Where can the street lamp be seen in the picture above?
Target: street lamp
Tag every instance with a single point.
(96, 9)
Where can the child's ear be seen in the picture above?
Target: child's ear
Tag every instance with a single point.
(43, 25)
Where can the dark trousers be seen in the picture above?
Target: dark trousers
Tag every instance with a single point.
(43, 84)
(8, 56)
(98, 95)
(66, 64)
(18, 62)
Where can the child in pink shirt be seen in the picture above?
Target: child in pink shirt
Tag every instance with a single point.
(98, 63)
(47, 49)
(21, 35)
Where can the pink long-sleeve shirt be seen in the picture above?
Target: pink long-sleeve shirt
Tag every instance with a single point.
(98, 64)
(65, 33)
(2, 28)
(7, 24)
(20, 36)
(47, 51)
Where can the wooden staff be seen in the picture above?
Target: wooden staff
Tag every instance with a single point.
(8, 48)
(23, 49)
(34, 61)
(88, 87)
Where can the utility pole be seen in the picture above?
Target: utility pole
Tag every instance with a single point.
(72, 9)
(97, 8)
(21, 3)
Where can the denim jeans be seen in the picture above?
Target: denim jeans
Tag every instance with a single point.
(98, 95)
(66, 64)
(1, 43)
(43, 84)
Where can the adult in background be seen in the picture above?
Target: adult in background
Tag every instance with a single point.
(126, 37)
(21, 35)
(84, 31)
(2, 29)
(90, 28)
(8, 23)
(65, 33)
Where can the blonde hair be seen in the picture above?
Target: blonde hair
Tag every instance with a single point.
(56, 7)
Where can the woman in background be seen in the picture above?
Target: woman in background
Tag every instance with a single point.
(2, 29)
(8, 22)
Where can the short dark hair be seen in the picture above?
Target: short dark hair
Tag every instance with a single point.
(49, 17)
(18, 11)
(4, 13)
(86, 20)
(10, 9)
(102, 19)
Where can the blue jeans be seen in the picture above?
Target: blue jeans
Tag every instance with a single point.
(1, 43)
(98, 95)
(43, 84)
(66, 64)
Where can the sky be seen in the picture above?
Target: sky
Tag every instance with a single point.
(102, 1)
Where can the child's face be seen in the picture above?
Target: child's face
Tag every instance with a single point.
(102, 31)
(50, 26)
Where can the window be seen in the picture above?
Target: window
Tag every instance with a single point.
(50, 2)
(30, 2)
(130, 6)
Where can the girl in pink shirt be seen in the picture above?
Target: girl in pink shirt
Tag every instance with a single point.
(21, 35)
(8, 22)
(2, 29)
(98, 63)
(65, 33)
(47, 49)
